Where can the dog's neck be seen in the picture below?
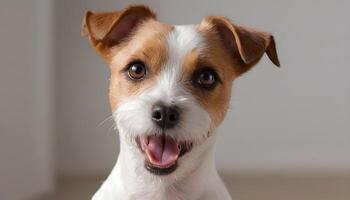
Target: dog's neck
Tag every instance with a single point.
(196, 179)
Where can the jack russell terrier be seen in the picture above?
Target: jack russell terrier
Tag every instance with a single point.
(169, 90)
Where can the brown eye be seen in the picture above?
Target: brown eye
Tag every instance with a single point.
(137, 71)
(205, 79)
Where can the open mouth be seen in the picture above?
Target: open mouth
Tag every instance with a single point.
(162, 153)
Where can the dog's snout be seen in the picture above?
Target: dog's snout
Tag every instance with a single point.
(165, 117)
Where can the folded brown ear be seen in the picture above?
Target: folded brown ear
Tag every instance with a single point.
(107, 29)
(249, 44)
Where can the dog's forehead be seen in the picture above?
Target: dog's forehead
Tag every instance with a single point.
(182, 40)
(159, 44)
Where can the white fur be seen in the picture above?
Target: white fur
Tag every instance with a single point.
(196, 176)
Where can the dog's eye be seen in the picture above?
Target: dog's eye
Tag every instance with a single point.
(136, 70)
(205, 79)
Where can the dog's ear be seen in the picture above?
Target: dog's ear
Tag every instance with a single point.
(108, 29)
(245, 44)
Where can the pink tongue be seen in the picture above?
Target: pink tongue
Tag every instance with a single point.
(161, 151)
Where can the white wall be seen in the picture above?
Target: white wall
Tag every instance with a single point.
(83, 146)
(291, 119)
(26, 168)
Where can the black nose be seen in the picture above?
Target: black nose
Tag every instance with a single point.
(165, 117)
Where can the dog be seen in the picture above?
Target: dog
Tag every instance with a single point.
(170, 89)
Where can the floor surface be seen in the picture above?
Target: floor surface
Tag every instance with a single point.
(242, 187)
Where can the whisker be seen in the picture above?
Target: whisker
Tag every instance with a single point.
(105, 120)
(114, 126)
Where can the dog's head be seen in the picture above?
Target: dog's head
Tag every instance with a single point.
(170, 86)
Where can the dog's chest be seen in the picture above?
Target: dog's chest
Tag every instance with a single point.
(161, 194)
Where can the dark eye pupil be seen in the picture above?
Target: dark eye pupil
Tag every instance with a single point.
(136, 71)
(206, 78)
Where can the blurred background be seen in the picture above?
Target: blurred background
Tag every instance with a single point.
(287, 135)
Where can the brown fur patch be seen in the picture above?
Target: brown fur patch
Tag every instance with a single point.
(148, 44)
